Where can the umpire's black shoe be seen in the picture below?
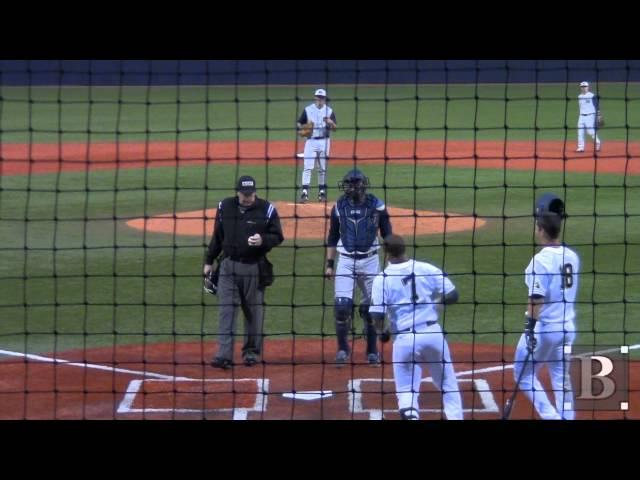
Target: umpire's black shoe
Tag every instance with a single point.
(223, 363)
(250, 360)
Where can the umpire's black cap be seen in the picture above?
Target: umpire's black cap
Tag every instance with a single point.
(549, 203)
(246, 185)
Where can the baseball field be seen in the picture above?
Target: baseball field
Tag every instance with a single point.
(107, 196)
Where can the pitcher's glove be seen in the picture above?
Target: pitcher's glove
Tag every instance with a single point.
(306, 130)
(599, 120)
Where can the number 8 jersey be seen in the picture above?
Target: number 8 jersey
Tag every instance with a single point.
(553, 273)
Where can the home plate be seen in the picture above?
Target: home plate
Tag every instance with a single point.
(312, 395)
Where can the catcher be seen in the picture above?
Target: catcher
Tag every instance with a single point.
(315, 124)
(590, 118)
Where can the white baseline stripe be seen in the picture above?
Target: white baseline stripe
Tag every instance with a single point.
(93, 366)
(497, 368)
(40, 358)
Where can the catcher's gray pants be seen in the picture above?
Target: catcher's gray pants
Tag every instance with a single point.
(238, 287)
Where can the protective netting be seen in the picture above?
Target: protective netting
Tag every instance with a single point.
(111, 173)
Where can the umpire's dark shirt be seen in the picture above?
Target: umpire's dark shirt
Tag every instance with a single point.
(235, 224)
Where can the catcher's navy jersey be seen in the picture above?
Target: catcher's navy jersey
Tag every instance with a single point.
(354, 228)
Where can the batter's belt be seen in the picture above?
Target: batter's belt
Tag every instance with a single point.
(410, 329)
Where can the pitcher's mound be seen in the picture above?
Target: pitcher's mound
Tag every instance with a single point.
(310, 221)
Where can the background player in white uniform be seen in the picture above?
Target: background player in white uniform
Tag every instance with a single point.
(355, 220)
(552, 282)
(588, 103)
(410, 292)
(318, 146)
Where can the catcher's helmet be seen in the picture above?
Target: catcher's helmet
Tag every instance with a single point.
(354, 184)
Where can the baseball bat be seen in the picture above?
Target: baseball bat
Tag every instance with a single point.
(508, 406)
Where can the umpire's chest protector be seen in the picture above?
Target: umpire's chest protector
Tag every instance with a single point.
(358, 223)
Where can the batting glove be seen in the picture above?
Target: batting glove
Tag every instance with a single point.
(529, 333)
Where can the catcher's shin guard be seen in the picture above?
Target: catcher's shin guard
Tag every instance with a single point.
(343, 312)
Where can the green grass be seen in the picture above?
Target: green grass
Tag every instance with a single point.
(454, 112)
(69, 283)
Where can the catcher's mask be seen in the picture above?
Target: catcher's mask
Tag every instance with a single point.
(354, 185)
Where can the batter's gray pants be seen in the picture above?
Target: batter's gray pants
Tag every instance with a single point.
(238, 287)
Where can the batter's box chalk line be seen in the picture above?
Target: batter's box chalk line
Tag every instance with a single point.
(260, 405)
(356, 405)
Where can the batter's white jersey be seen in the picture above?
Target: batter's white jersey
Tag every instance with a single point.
(406, 293)
(553, 273)
(588, 103)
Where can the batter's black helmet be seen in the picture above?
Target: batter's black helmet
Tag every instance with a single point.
(549, 203)
(354, 184)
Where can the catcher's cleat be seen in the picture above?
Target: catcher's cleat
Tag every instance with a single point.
(341, 358)
(373, 359)
(304, 197)
(322, 196)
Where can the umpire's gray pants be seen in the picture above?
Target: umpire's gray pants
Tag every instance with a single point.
(238, 287)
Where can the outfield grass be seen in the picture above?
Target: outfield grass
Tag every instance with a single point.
(454, 112)
(72, 274)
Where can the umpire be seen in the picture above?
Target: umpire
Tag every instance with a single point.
(246, 229)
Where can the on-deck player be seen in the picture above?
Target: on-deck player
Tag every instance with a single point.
(552, 282)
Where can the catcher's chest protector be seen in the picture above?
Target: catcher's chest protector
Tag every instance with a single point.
(358, 223)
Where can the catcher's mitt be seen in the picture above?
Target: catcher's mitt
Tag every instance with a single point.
(306, 130)
(599, 120)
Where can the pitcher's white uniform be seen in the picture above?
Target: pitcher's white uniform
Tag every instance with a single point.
(318, 146)
(552, 273)
(588, 103)
(418, 337)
